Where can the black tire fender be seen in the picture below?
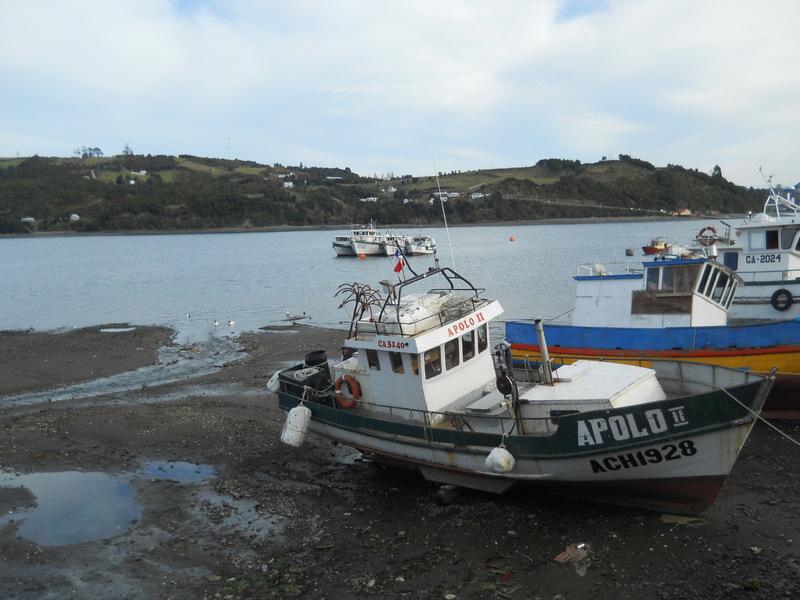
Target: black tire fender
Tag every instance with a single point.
(781, 300)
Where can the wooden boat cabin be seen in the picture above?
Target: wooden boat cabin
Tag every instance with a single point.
(668, 292)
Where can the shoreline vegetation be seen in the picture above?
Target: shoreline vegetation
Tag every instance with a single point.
(134, 194)
(398, 227)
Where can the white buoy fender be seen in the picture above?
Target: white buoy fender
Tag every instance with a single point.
(273, 384)
(296, 426)
(500, 461)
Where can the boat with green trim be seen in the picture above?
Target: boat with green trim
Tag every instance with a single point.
(420, 385)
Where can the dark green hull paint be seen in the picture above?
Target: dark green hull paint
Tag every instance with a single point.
(705, 413)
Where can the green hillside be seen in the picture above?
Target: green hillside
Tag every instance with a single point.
(134, 193)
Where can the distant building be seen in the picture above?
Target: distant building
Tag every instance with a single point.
(369, 199)
(28, 220)
(476, 195)
(74, 217)
(288, 184)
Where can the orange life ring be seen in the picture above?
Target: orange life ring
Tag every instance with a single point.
(355, 391)
(707, 240)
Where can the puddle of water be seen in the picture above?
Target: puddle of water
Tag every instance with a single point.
(181, 472)
(117, 329)
(72, 507)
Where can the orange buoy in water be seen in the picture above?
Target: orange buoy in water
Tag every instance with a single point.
(362, 256)
(512, 239)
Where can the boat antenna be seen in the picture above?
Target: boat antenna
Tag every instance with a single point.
(444, 214)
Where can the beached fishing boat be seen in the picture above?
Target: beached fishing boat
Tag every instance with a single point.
(764, 250)
(671, 308)
(420, 385)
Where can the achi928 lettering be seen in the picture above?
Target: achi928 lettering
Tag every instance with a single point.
(642, 458)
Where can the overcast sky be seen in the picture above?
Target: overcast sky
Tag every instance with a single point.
(408, 86)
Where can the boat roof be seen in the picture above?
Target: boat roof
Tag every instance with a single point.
(452, 310)
(666, 260)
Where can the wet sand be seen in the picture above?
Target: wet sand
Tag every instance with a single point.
(319, 522)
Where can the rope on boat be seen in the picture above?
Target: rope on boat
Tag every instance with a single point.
(760, 418)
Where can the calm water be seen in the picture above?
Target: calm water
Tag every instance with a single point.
(253, 279)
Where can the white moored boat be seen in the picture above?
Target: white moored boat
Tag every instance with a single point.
(420, 244)
(419, 384)
(764, 250)
(368, 241)
(359, 240)
(394, 241)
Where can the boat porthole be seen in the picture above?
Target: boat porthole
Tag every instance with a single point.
(781, 300)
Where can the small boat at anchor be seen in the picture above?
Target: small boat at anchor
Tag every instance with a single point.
(657, 246)
(360, 240)
(420, 385)
(392, 242)
(420, 245)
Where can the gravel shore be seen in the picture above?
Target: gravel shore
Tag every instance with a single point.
(318, 521)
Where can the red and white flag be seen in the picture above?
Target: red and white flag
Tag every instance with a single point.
(399, 261)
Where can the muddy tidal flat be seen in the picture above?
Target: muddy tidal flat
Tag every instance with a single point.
(127, 473)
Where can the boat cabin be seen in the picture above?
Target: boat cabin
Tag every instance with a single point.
(668, 292)
(422, 352)
(765, 247)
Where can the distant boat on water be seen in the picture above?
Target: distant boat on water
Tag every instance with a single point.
(360, 239)
(366, 240)
(420, 245)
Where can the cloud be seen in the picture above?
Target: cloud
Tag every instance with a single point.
(382, 87)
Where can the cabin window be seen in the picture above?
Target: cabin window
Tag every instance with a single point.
(729, 294)
(433, 362)
(685, 278)
(712, 281)
(652, 278)
(731, 260)
(468, 345)
(668, 279)
(372, 360)
(701, 287)
(787, 237)
(451, 354)
(722, 281)
(756, 241)
(396, 359)
(772, 239)
(483, 338)
(414, 364)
